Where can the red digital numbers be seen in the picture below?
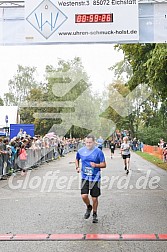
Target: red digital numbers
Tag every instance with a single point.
(94, 18)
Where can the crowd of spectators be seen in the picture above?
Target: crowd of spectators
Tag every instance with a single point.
(25, 152)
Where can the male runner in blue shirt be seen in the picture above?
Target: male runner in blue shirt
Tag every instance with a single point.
(92, 161)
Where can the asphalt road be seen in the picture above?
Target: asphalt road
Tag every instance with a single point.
(47, 201)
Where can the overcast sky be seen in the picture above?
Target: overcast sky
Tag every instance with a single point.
(96, 59)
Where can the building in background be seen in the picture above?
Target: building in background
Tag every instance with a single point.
(8, 115)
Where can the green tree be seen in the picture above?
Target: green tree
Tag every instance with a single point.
(127, 122)
(20, 85)
(27, 113)
(1, 102)
(149, 65)
(122, 69)
(151, 135)
(86, 104)
(157, 70)
(146, 64)
(162, 115)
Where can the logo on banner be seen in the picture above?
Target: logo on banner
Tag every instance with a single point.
(46, 18)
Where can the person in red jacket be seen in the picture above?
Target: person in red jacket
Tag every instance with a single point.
(22, 157)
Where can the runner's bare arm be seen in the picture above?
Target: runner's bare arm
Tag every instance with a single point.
(101, 165)
(77, 165)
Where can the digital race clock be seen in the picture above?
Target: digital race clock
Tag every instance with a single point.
(94, 18)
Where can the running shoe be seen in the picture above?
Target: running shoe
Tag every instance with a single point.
(95, 220)
(88, 211)
(125, 168)
(127, 172)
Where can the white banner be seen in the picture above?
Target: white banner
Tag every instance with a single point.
(85, 21)
(160, 23)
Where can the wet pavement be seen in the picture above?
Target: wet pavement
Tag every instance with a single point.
(47, 201)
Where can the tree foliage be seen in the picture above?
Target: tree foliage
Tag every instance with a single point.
(1, 102)
(20, 85)
(145, 64)
(149, 66)
(86, 106)
(151, 135)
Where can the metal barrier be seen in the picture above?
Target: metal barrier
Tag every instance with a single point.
(5, 162)
(35, 157)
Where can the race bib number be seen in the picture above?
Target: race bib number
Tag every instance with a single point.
(88, 171)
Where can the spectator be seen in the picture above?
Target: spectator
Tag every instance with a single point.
(1, 159)
(134, 144)
(6, 155)
(161, 143)
(138, 145)
(141, 146)
(165, 154)
(20, 133)
(23, 158)
(100, 142)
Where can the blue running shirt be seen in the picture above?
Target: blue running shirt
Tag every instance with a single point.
(100, 142)
(95, 155)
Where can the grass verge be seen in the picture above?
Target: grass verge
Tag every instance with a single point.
(152, 159)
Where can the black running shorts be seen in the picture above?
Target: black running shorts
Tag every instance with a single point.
(92, 186)
(126, 156)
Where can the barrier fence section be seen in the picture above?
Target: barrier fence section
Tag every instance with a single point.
(38, 156)
(154, 150)
(34, 157)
